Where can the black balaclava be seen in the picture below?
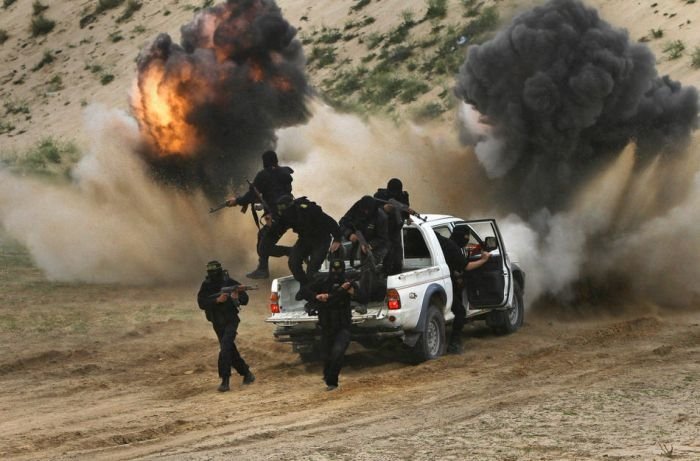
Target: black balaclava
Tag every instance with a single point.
(394, 187)
(269, 159)
(214, 271)
(337, 270)
(460, 236)
(367, 206)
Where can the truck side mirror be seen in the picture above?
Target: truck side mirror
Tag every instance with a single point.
(490, 244)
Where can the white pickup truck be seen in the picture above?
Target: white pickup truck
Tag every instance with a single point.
(417, 304)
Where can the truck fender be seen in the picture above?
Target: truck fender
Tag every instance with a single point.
(411, 338)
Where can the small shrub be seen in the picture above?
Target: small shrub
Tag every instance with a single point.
(374, 39)
(436, 9)
(38, 8)
(132, 6)
(94, 68)
(6, 3)
(657, 33)
(322, 56)
(104, 5)
(429, 111)
(41, 25)
(138, 29)
(412, 89)
(329, 36)
(13, 108)
(55, 84)
(695, 58)
(3, 36)
(46, 59)
(674, 49)
(6, 127)
(359, 5)
(48, 157)
(115, 37)
(106, 79)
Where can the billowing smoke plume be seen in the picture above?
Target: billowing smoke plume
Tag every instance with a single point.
(563, 91)
(209, 106)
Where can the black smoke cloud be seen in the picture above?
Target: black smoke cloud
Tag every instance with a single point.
(236, 76)
(563, 90)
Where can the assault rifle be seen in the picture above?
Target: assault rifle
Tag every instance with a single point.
(217, 207)
(234, 288)
(401, 207)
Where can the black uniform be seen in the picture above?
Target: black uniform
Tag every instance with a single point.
(456, 262)
(272, 182)
(224, 319)
(393, 261)
(335, 318)
(364, 216)
(314, 228)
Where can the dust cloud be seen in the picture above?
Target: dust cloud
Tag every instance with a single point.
(113, 223)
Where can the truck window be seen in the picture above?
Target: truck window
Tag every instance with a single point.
(415, 251)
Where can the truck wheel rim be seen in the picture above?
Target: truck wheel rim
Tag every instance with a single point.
(433, 338)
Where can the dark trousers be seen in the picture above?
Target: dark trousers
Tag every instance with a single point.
(267, 246)
(316, 249)
(228, 353)
(334, 343)
(393, 261)
(458, 309)
(370, 280)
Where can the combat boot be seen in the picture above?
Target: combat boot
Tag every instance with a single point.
(259, 273)
(455, 346)
(224, 386)
(249, 378)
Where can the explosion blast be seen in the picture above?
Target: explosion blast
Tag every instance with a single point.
(209, 106)
(564, 91)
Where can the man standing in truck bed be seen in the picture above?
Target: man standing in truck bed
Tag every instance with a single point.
(393, 261)
(271, 183)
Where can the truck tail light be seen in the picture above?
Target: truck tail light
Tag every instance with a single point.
(274, 303)
(393, 300)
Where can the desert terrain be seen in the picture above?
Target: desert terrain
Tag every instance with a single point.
(107, 371)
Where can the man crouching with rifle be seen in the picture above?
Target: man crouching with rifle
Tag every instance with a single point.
(220, 297)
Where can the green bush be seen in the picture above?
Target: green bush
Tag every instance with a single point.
(3, 36)
(106, 79)
(329, 36)
(38, 8)
(115, 37)
(104, 5)
(132, 6)
(359, 5)
(46, 59)
(48, 157)
(321, 56)
(41, 25)
(695, 58)
(436, 9)
(674, 49)
(428, 111)
(6, 127)
(13, 108)
(7, 3)
(55, 84)
(412, 89)
(374, 39)
(657, 33)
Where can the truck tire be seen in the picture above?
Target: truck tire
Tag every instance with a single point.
(432, 342)
(510, 320)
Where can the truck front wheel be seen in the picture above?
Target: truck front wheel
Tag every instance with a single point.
(431, 343)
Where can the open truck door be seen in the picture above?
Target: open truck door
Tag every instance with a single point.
(489, 285)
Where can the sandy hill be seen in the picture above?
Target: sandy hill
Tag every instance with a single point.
(88, 56)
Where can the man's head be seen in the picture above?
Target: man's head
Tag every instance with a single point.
(269, 159)
(367, 205)
(460, 235)
(214, 270)
(284, 203)
(337, 268)
(394, 186)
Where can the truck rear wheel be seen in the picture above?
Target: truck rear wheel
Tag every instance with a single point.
(510, 320)
(431, 343)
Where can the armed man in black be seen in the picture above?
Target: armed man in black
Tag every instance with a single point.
(221, 309)
(366, 226)
(458, 264)
(393, 261)
(331, 297)
(272, 182)
(316, 230)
